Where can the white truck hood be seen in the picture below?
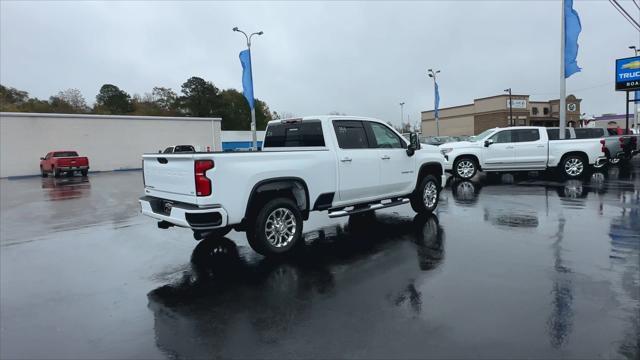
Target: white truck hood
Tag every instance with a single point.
(462, 144)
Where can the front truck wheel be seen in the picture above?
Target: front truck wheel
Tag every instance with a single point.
(276, 228)
(573, 166)
(424, 199)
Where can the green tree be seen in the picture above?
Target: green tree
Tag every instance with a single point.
(11, 98)
(200, 98)
(35, 105)
(263, 114)
(165, 99)
(112, 100)
(59, 105)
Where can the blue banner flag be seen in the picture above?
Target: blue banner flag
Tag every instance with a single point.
(572, 28)
(437, 101)
(247, 78)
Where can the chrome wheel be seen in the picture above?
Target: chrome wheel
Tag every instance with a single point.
(280, 227)
(614, 161)
(430, 194)
(465, 168)
(573, 167)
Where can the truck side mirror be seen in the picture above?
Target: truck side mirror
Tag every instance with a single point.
(488, 143)
(414, 144)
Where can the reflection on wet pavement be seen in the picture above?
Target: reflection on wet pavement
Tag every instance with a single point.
(531, 266)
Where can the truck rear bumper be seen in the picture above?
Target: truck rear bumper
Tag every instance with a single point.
(72, 168)
(184, 215)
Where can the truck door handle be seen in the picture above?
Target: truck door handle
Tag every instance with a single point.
(346, 159)
(385, 157)
(540, 146)
(509, 147)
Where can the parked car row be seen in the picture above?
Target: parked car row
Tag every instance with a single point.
(525, 148)
(344, 165)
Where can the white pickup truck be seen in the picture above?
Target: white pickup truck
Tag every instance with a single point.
(521, 148)
(345, 165)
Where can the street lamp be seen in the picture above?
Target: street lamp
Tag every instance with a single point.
(432, 74)
(635, 103)
(510, 107)
(254, 136)
(401, 113)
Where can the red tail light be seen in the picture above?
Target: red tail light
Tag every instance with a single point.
(203, 184)
(603, 148)
(621, 139)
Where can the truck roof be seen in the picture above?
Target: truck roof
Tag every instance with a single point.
(324, 118)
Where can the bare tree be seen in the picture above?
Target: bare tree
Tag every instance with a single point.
(74, 98)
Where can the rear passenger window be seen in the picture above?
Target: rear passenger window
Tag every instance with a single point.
(524, 135)
(589, 133)
(554, 134)
(350, 134)
(295, 134)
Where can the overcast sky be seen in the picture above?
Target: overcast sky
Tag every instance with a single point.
(359, 58)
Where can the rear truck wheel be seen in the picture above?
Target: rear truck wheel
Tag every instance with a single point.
(424, 199)
(56, 173)
(211, 234)
(84, 172)
(465, 168)
(42, 173)
(276, 229)
(573, 166)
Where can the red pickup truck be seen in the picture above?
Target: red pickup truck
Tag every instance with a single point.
(58, 162)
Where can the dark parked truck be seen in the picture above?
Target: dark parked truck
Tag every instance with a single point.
(59, 162)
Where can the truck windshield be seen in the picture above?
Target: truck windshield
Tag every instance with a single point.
(184, 149)
(295, 134)
(65, 154)
(482, 135)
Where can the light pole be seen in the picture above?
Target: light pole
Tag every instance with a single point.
(635, 94)
(433, 74)
(254, 137)
(402, 114)
(510, 122)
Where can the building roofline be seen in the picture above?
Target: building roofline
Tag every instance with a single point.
(500, 95)
(447, 108)
(107, 117)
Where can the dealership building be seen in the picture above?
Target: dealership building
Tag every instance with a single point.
(489, 112)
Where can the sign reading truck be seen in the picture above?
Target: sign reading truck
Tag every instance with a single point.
(628, 74)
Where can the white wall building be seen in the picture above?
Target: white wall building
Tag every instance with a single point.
(111, 142)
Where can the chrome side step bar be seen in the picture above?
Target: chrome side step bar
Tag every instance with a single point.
(369, 207)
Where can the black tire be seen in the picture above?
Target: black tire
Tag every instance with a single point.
(423, 201)
(56, 173)
(217, 233)
(42, 173)
(84, 172)
(468, 163)
(258, 228)
(573, 166)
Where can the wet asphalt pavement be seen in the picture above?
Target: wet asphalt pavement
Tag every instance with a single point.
(511, 266)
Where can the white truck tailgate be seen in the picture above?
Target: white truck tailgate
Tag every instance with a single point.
(170, 177)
